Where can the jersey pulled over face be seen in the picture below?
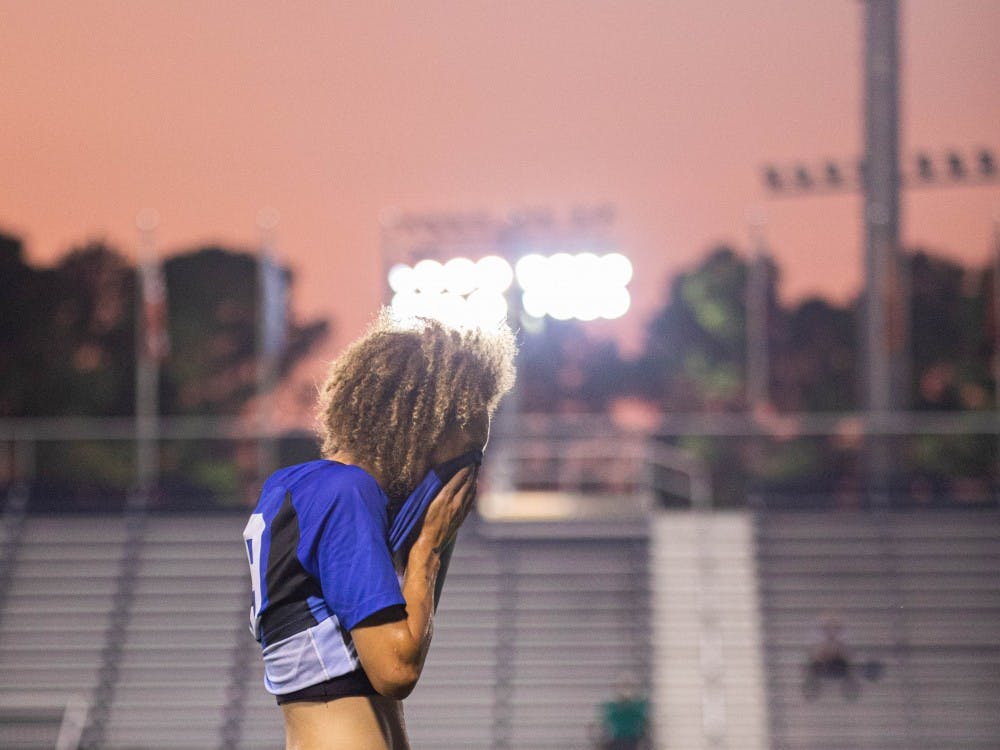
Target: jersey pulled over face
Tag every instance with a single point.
(462, 439)
(320, 544)
(319, 565)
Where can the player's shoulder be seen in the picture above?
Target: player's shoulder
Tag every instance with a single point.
(329, 480)
(290, 477)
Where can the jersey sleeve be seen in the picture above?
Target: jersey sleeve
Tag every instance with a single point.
(355, 566)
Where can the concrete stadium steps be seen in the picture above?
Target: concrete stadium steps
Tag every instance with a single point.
(514, 620)
(56, 614)
(702, 561)
(452, 705)
(579, 620)
(916, 591)
(263, 727)
(530, 635)
(176, 655)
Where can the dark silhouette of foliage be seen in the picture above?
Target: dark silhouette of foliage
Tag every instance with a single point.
(213, 298)
(561, 370)
(67, 334)
(952, 334)
(815, 365)
(68, 349)
(696, 344)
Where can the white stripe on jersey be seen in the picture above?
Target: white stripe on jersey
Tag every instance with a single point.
(308, 657)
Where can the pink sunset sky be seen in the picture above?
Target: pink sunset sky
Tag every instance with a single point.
(332, 112)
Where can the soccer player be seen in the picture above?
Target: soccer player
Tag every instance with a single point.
(344, 615)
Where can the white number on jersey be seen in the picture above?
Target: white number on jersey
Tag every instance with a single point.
(252, 535)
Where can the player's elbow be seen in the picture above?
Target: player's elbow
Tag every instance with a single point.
(397, 682)
(391, 658)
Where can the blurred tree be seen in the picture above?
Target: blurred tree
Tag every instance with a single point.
(951, 334)
(66, 333)
(67, 348)
(952, 346)
(695, 345)
(694, 359)
(562, 370)
(212, 298)
(814, 364)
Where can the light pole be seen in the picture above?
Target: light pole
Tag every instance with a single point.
(881, 221)
(151, 346)
(757, 318)
(885, 340)
(269, 339)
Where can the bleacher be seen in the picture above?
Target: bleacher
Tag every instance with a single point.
(531, 633)
(177, 650)
(917, 592)
(578, 619)
(708, 684)
(528, 639)
(56, 612)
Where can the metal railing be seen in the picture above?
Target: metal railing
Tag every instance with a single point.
(219, 457)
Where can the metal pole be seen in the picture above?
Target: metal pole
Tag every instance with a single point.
(267, 453)
(881, 219)
(757, 354)
(147, 366)
(996, 308)
(996, 333)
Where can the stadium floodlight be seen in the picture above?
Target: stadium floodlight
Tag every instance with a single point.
(460, 276)
(461, 293)
(925, 167)
(956, 166)
(562, 268)
(987, 163)
(429, 276)
(451, 308)
(532, 272)
(402, 279)
(617, 270)
(493, 272)
(487, 307)
(615, 303)
(534, 302)
(589, 270)
(563, 286)
(584, 286)
(929, 170)
(405, 304)
(560, 306)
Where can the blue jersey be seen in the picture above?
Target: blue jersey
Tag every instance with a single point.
(320, 545)
(320, 563)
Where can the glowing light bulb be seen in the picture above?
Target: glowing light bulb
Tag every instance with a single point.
(493, 272)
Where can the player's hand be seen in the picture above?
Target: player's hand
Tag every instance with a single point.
(449, 509)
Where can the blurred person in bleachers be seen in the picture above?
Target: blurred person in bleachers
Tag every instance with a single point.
(344, 590)
(830, 659)
(624, 719)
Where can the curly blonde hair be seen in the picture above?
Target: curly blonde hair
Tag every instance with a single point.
(392, 394)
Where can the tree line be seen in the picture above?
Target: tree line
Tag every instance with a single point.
(68, 349)
(68, 343)
(693, 358)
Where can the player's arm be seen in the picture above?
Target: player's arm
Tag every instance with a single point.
(393, 653)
